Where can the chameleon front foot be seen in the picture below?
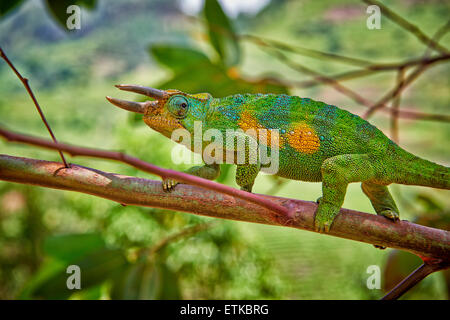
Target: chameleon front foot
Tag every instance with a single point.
(169, 184)
(324, 217)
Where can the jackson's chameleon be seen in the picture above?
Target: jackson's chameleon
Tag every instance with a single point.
(316, 142)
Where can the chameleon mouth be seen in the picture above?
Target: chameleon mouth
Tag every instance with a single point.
(162, 124)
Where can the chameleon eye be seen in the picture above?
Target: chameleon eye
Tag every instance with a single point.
(178, 106)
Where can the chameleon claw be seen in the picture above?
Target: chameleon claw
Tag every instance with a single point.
(322, 227)
(390, 214)
(169, 184)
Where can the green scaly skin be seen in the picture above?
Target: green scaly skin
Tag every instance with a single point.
(319, 143)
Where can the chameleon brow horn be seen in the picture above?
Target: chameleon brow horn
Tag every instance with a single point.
(138, 107)
(149, 92)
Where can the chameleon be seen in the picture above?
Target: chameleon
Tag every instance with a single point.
(317, 142)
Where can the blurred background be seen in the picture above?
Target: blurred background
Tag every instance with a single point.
(221, 47)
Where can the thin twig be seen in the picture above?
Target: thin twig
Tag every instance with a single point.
(374, 69)
(30, 92)
(395, 110)
(402, 22)
(312, 53)
(414, 278)
(414, 75)
(189, 231)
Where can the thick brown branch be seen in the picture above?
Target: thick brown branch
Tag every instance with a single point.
(349, 224)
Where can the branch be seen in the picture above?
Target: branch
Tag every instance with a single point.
(319, 77)
(408, 26)
(376, 68)
(369, 228)
(427, 268)
(432, 43)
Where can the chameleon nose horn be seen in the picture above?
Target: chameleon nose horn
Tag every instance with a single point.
(149, 92)
(132, 106)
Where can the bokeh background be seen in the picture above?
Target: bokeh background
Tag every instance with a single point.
(144, 253)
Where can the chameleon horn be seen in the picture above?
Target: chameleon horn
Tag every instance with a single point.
(132, 106)
(149, 92)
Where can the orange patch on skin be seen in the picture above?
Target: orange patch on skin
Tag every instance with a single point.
(247, 122)
(303, 138)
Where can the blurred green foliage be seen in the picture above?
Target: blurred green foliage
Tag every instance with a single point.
(122, 250)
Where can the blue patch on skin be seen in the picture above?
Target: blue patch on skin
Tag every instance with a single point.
(366, 130)
(232, 109)
(196, 108)
(326, 116)
(278, 113)
(305, 101)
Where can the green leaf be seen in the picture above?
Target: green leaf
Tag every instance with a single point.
(221, 33)
(178, 58)
(88, 251)
(72, 246)
(215, 80)
(224, 172)
(8, 5)
(96, 268)
(58, 9)
(146, 281)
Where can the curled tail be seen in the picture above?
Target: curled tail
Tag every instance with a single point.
(413, 170)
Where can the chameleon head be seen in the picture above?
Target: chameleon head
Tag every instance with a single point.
(171, 109)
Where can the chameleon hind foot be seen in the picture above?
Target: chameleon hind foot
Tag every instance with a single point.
(381, 200)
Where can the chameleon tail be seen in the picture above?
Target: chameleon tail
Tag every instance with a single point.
(413, 170)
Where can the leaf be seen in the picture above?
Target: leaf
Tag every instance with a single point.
(95, 268)
(178, 58)
(58, 9)
(170, 287)
(72, 246)
(97, 263)
(8, 5)
(215, 80)
(146, 281)
(221, 33)
(224, 172)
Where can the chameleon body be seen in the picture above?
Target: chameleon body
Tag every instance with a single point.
(317, 142)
